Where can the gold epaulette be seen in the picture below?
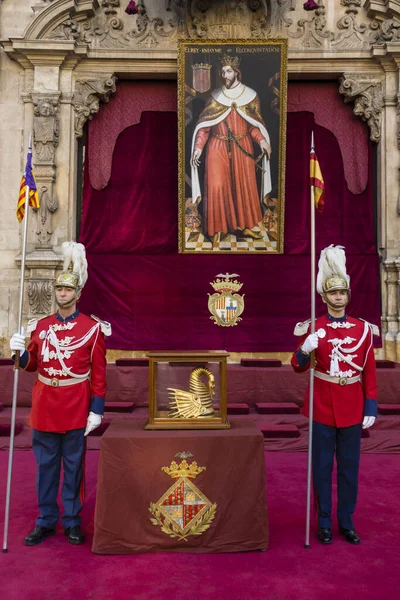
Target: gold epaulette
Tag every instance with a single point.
(104, 325)
(301, 328)
(374, 328)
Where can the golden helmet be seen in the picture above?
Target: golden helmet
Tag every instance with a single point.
(67, 279)
(332, 274)
(74, 273)
(335, 283)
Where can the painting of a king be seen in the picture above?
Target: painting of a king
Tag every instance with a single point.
(228, 126)
(231, 150)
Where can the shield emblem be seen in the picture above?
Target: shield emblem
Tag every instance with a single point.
(201, 77)
(183, 510)
(226, 305)
(226, 308)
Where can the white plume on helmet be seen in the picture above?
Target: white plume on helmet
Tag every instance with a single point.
(332, 263)
(74, 255)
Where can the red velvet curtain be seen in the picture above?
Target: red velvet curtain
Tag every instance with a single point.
(156, 299)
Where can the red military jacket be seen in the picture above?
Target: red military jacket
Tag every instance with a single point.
(77, 348)
(334, 404)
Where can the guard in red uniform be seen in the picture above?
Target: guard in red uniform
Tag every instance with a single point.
(68, 351)
(345, 394)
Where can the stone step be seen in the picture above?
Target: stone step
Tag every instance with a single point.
(385, 364)
(238, 409)
(132, 362)
(389, 409)
(277, 408)
(5, 362)
(104, 425)
(279, 431)
(260, 362)
(5, 429)
(119, 407)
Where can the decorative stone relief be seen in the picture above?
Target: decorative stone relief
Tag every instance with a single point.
(87, 97)
(389, 32)
(110, 6)
(346, 25)
(46, 134)
(159, 23)
(40, 296)
(353, 34)
(45, 128)
(112, 28)
(236, 19)
(48, 206)
(312, 33)
(367, 94)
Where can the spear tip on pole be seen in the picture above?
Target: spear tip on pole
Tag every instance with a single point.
(30, 143)
(312, 140)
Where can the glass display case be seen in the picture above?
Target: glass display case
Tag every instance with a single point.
(187, 390)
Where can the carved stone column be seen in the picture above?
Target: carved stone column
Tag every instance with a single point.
(45, 138)
(391, 319)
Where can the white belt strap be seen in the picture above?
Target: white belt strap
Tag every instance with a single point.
(55, 383)
(338, 380)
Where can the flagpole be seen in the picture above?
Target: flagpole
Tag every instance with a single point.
(16, 366)
(312, 363)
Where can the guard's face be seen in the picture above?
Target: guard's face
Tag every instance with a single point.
(338, 299)
(229, 76)
(65, 295)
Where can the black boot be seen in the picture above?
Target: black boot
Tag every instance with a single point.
(350, 536)
(38, 535)
(324, 535)
(75, 535)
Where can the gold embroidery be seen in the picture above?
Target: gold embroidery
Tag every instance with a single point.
(183, 510)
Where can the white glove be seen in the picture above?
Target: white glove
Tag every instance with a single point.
(310, 343)
(17, 342)
(368, 422)
(93, 421)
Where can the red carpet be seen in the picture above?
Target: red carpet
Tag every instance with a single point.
(57, 570)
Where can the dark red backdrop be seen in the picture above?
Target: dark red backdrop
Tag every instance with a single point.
(157, 299)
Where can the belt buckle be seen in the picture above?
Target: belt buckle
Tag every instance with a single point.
(55, 383)
(343, 381)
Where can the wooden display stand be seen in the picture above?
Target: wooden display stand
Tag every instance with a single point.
(168, 361)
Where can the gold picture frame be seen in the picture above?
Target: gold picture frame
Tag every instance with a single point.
(232, 142)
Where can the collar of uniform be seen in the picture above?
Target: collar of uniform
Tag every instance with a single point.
(337, 319)
(69, 318)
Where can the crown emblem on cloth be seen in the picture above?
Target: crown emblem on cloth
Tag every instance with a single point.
(226, 284)
(183, 470)
(183, 510)
(230, 61)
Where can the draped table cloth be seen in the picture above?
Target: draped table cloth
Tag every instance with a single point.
(184, 507)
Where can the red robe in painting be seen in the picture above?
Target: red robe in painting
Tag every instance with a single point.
(231, 196)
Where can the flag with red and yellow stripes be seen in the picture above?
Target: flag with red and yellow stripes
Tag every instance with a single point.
(317, 182)
(27, 181)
